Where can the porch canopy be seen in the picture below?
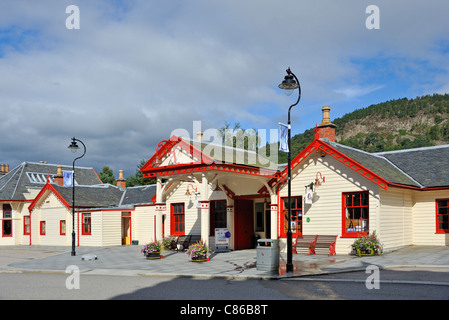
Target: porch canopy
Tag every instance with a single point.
(215, 172)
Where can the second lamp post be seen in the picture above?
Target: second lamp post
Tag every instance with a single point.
(74, 147)
(289, 84)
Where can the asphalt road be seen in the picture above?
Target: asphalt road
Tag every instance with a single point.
(392, 285)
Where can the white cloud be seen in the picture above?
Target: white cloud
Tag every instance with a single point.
(136, 70)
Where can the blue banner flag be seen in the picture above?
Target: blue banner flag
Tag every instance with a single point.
(68, 178)
(283, 138)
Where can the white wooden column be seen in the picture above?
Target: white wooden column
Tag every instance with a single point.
(205, 209)
(160, 210)
(205, 221)
(274, 217)
(230, 220)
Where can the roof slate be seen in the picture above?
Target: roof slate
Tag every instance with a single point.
(429, 166)
(421, 167)
(16, 182)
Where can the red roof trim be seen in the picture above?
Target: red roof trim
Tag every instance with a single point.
(321, 146)
(381, 182)
(48, 187)
(201, 167)
(165, 146)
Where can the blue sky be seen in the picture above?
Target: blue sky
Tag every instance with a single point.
(137, 70)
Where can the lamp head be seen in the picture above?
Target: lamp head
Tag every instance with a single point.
(289, 84)
(73, 146)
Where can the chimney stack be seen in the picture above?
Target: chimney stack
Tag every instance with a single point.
(4, 169)
(59, 178)
(326, 129)
(121, 182)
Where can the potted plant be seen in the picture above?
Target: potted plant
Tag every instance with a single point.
(169, 243)
(367, 245)
(198, 251)
(152, 250)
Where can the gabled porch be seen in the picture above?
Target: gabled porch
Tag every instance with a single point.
(211, 194)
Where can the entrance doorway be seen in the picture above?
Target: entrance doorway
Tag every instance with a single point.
(244, 224)
(126, 228)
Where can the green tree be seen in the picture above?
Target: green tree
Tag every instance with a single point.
(107, 176)
(137, 179)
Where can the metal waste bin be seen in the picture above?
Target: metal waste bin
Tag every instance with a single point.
(267, 254)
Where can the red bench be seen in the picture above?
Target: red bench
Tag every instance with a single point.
(325, 242)
(304, 242)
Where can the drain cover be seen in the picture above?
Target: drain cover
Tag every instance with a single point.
(89, 256)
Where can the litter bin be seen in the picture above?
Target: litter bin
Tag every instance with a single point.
(267, 254)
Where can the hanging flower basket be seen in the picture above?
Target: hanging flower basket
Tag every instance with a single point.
(367, 246)
(152, 250)
(198, 252)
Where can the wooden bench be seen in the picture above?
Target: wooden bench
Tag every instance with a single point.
(191, 238)
(181, 239)
(326, 242)
(304, 242)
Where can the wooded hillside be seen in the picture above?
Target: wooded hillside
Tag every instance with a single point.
(392, 125)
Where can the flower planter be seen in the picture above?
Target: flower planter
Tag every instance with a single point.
(367, 246)
(200, 259)
(198, 252)
(152, 250)
(365, 252)
(154, 255)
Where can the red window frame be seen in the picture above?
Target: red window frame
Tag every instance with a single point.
(7, 221)
(26, 225)
(442, 215)
(177, 219)
(296, 218)
(62, 228)
(86, 224)
(218, 216)
(43, 228)
(355, 214)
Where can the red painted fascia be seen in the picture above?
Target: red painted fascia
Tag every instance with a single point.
(168, 146)
(321, 146)
(50, 188)
(201, 167)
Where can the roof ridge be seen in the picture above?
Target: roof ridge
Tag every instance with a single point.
(55, 165)
(403, 172)
(18, 180)
(11, 174)
(355, 149)
(414, 149)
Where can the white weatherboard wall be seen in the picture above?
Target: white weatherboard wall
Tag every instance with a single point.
(325, 212)
(142, 224)
(396, 218)
(111, 228)
(424, 218)
(52, 211)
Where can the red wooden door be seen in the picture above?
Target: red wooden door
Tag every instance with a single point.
(244, 224)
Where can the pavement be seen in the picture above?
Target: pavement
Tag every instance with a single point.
(128, 261)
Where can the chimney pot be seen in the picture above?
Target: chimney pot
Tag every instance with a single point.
(121, 182)
(326, 129)
(59, 178)
(199, 136)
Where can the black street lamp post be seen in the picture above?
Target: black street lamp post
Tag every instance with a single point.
(74, 147)
(289, 84)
